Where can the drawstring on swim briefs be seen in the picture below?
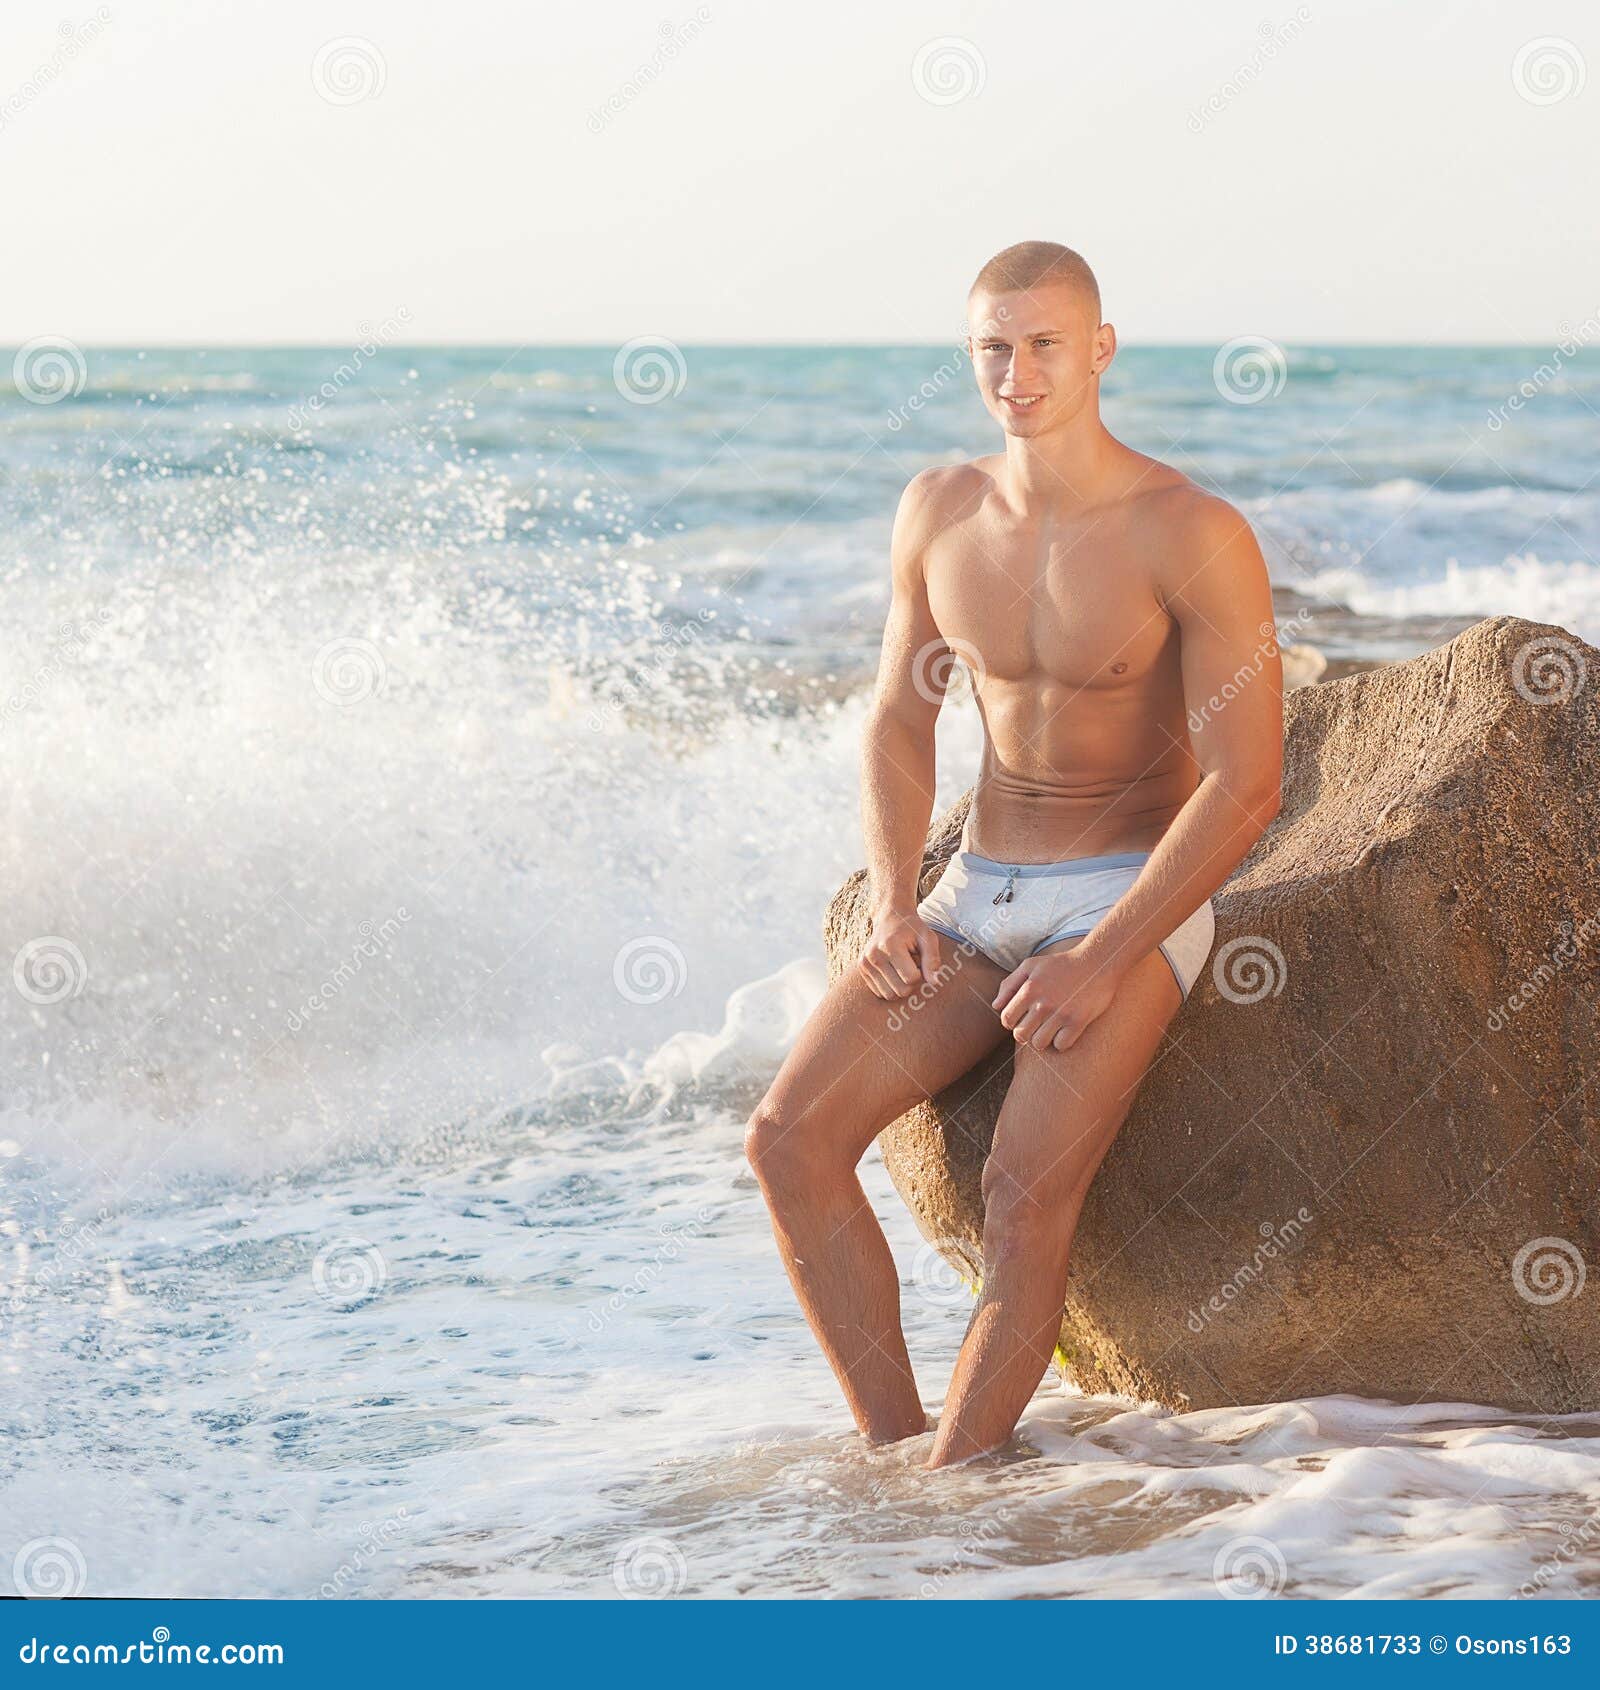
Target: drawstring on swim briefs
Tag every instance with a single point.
(1003, 896)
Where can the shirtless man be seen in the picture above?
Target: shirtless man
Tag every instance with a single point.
(1107, 607)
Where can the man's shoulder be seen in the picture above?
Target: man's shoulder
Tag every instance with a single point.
(945, 490)
(1178, 510)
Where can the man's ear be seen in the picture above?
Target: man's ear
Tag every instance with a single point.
(1105, 347)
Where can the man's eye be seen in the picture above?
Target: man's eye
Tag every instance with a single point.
(995, 346)
(1044, 341)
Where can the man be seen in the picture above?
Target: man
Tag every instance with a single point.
(1106, 606)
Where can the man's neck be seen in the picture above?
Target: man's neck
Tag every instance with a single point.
(1064, 469)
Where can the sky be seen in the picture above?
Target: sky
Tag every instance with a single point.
(281, 171)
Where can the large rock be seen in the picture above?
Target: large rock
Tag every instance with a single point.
(1367, 1157)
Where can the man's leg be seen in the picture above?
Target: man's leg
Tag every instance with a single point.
(859, 1063)
(1060, 1115)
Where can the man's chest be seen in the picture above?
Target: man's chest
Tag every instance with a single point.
(1079, 607)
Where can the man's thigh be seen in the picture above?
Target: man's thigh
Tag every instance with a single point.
(1063, 1108)
(861, 1061)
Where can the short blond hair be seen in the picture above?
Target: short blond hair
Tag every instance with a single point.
(1032, 264)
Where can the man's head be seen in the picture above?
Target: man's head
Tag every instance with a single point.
(1034, 331)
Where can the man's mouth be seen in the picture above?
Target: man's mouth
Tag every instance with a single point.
(1022, 401)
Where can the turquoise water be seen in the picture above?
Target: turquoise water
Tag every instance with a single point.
(423, 787)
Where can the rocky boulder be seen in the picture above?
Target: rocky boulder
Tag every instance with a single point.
(1367, 1157)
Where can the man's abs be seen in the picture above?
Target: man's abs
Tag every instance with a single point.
(1085, 756)
(1077, 779)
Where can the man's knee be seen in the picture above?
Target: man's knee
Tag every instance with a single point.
(772, 1146)
(1025, 1214)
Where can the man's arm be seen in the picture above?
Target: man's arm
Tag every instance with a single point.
(1219, 595)
(897, 758)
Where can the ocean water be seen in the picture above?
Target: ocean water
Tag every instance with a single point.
(425, 773)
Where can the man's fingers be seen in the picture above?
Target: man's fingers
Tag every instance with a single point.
(1068, 1034)
(901, 963)
(1019, 1005)
(883, 981)
(1044, 1033)
(929, 952)
(1009, 987)
(1028, 1017)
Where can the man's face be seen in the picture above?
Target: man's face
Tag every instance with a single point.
(1036, 355)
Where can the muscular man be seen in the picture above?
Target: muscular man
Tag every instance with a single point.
(1118, 624)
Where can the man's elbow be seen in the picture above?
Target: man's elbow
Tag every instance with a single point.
(1256, 800)
(1262, 805)
(901, 723)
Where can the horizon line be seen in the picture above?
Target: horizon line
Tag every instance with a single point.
(1288, 343)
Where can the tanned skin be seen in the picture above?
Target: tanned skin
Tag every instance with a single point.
(1106, 606)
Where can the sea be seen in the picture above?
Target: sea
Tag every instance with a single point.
(424, 773)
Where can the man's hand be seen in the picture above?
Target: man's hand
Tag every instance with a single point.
(1048, 1000)
(902, 954)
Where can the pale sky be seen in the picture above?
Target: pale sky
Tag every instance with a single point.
(1417, 171)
